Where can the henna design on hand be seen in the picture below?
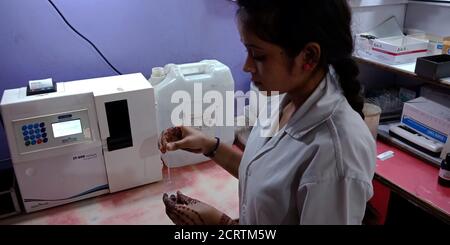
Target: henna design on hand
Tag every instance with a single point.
(176, 218)
(202, 221)
(183, 199)
(226, 220)
(184, 210)
(173, 134)
(169, 135)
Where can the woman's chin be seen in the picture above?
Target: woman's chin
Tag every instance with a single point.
(259, 86)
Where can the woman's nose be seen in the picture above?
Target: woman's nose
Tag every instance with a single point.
(249, 65)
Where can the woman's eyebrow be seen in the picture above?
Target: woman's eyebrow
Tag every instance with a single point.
(253, 46)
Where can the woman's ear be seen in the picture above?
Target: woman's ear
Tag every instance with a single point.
(309, 58)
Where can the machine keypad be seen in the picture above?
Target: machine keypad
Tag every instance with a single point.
(34, 133)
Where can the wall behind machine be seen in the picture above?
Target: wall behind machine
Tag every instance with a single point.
(134, 35)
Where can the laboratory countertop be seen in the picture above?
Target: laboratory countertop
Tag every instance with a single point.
(415, 180)
(207, 182)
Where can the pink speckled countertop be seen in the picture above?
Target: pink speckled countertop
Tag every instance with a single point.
(414, 177)
(143, 205)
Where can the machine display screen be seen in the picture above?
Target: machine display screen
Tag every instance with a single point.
(62, 129)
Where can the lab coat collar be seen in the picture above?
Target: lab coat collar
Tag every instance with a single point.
(318, 107)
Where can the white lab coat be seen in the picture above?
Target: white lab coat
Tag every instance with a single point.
(318, 169)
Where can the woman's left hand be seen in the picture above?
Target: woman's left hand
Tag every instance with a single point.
(183, 210)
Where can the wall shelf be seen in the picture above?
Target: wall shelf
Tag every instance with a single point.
(372, 3)
(407, 70)
(435, 3)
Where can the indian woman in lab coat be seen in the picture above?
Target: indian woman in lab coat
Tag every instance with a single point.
(317, 166)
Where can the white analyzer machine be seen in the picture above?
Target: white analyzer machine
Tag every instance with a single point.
(88, 138)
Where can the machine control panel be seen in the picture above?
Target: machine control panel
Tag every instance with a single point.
(52, 131)
(34, 133)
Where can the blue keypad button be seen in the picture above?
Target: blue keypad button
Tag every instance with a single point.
(31, 131)
(43, 130)
(38, 136)
(44, 135)
(45, 140)
(32, 137)
(27, 143)
(36, 125)
(24, 127)
(30, 126)
(26, 138)
(25, 133)
(42, 125)
(33, 142)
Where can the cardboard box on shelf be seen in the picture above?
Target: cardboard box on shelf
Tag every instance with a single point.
(446, 47)
(399, 50)
(435, 42)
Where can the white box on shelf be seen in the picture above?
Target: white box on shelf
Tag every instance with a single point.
(399, 50)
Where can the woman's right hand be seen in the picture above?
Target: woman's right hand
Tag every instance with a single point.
(185, 138)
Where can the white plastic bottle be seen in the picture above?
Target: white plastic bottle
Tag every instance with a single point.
(157, 76)
(208, 76)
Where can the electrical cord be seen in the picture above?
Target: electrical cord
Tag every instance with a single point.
(81, 35)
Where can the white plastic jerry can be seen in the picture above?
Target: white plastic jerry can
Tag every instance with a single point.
(200, 95)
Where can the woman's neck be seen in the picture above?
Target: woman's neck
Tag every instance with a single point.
(299, 95)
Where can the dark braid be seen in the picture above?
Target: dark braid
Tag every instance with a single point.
(291, 24)
(347, 70)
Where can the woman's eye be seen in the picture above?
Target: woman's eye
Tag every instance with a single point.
(258, 57)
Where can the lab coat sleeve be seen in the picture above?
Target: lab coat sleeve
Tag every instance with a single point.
(333, 201)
